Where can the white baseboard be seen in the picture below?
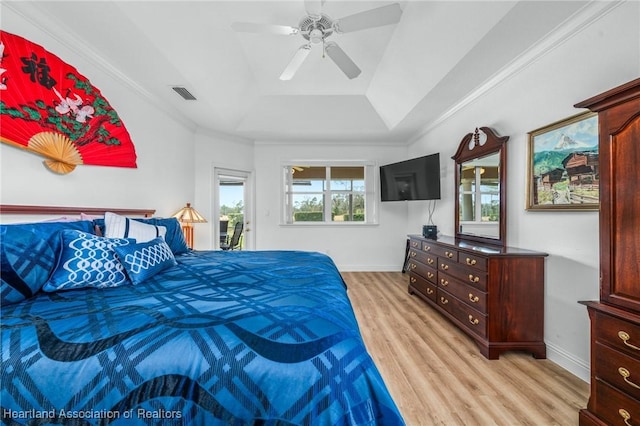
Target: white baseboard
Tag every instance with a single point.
(575, 366)
(557, 355)
(369, 268)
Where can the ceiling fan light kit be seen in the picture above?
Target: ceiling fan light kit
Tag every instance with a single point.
(316, 27)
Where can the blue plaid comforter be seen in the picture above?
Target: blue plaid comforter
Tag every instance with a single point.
(223, 338)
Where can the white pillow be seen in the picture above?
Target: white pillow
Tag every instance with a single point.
(117, 226)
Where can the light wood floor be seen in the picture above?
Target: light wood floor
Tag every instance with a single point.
(436, 374)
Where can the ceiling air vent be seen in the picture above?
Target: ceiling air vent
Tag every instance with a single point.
(184, 93)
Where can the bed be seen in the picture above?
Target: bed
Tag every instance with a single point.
(212, 338)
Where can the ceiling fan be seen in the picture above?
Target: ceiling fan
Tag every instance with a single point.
(316, 27)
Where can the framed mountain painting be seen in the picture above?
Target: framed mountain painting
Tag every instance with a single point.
(563, 171)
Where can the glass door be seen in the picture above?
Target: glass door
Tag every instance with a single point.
(233, 208)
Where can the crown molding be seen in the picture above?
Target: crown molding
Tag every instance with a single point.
(334, 142)
(591, 12)
(62, 34)
(211, 133)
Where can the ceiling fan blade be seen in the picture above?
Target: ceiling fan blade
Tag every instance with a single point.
(378, 17)
(251, 27)
(313, 8)
(295, 63)
(341, 59)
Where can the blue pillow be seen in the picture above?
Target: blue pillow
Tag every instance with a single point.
(29, 254)
(174, 236)
(144, 260)
(116, 226)
(87, 260)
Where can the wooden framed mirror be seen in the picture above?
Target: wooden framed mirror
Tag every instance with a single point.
(481, 177)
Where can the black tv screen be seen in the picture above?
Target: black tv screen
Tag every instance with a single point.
(415, 179)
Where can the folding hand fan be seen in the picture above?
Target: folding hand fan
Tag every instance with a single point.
(47, 107)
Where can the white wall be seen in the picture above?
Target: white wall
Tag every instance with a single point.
(165, 149)
(175, 166)
(601, 56)
(214, 150)
(352, 247)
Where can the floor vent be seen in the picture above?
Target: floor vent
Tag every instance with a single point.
(184, 93)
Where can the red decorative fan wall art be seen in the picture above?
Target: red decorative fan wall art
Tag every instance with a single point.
(47, 107)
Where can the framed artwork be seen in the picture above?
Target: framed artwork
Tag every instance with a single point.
(563, 172)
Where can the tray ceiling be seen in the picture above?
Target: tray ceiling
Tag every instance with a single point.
(414, 73)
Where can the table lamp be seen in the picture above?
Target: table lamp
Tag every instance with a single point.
(187, 216)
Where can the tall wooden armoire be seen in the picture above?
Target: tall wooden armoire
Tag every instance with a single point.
(615, 318)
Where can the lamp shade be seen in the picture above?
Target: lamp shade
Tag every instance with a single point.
(188, 214)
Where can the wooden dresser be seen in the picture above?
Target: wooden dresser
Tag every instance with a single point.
(615, 318)
(494, 294)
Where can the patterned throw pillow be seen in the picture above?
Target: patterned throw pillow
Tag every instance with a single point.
(28, 256)
(144, 260)
(88, 261)
(117, 226)
(174, 236)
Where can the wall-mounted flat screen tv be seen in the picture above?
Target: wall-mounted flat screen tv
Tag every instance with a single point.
(415, 179)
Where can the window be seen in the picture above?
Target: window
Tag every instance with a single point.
(329, 193)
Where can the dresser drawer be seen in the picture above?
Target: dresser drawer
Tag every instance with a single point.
(468, 294)
(473, 261)
(446, 252)
(493, 294)
(465, 274)
(420, 256)
(423, 286)
(618, 369)
(423, 270)
(415, 244)
(614, 407)
(618, 333)
(472, 319)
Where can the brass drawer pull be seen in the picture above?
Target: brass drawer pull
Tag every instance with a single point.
(473, 320)
(429, 275)
(625, 416)
(473, 299)
(429, 290)
(413, 253)
(444, 282)
(414, 244)
(625, 337)
(430, 261)
(625, 375)
(413, 280)
(448, 254)
(444, 267)
(426, 248)
(443, 300)
(473, 279)
(413, 266)
(471, 261)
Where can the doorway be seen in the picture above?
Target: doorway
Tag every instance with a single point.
(233, 205)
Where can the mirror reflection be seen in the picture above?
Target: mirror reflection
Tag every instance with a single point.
(479, 197)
